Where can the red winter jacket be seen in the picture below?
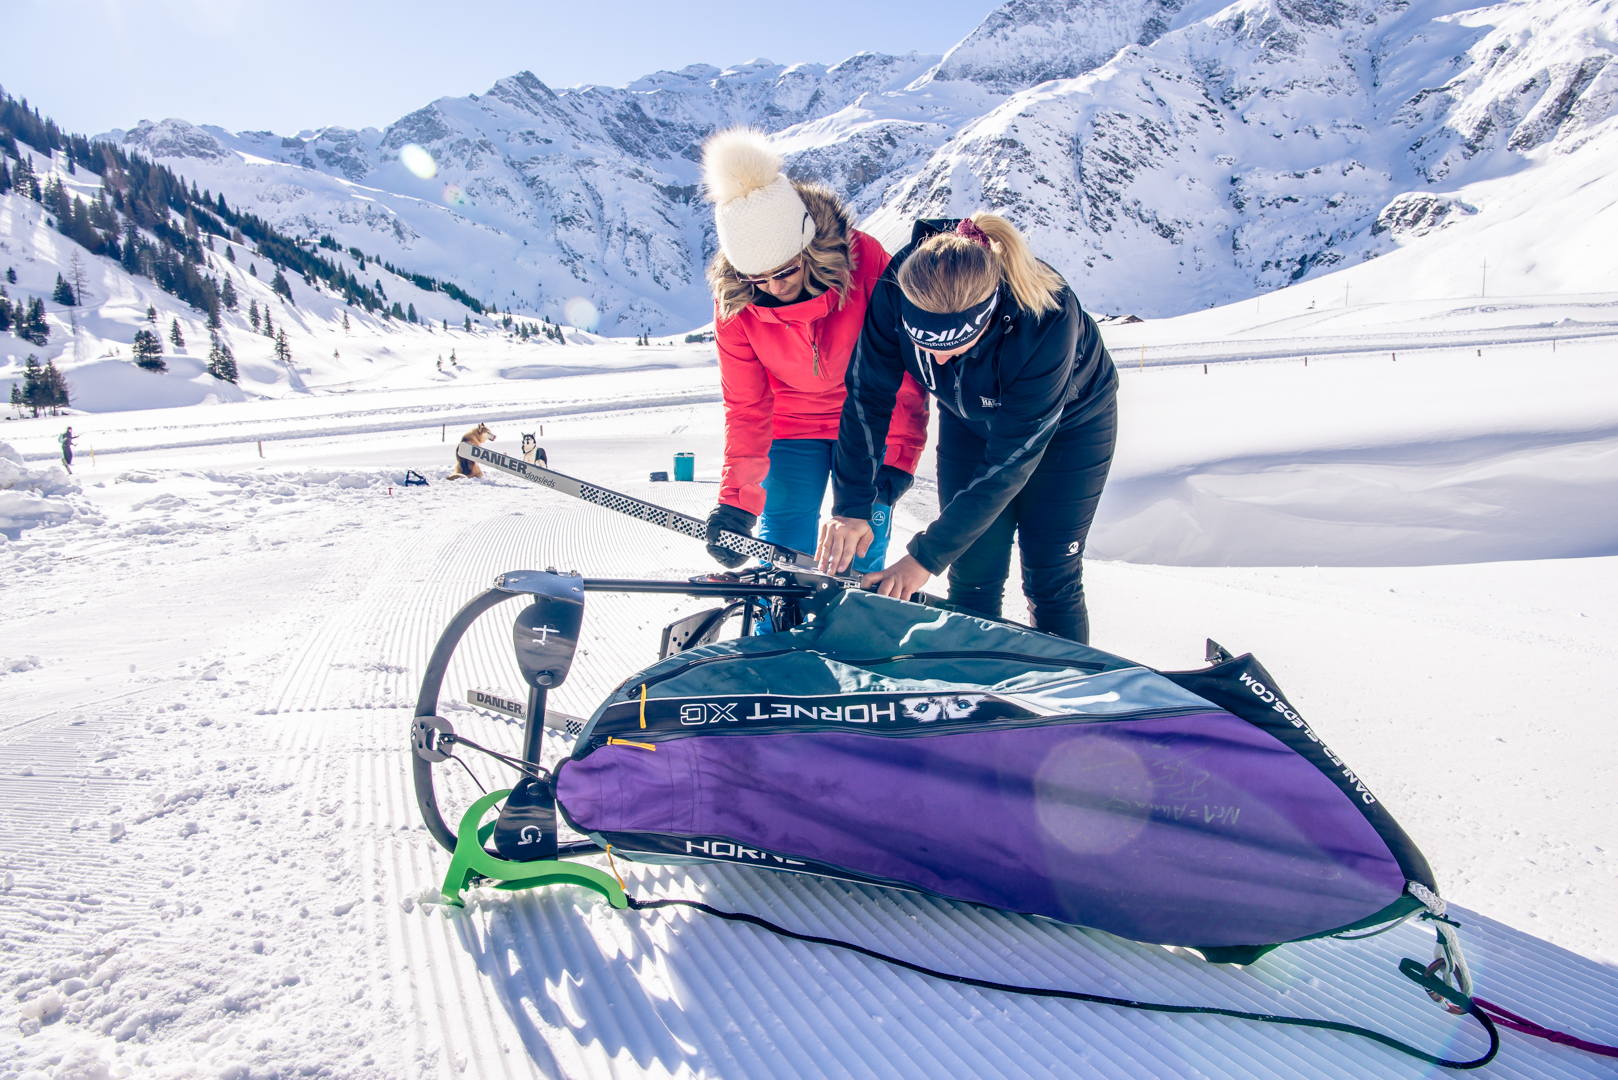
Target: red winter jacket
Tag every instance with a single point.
(782, 370)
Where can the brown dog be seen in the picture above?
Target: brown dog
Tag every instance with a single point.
(477, 437)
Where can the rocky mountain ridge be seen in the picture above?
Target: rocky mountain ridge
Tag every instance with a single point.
(1166, 155)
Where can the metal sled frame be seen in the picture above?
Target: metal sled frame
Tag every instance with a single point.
(473, 862)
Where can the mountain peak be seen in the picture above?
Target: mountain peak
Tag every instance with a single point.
(172, 138)
(1026, 42)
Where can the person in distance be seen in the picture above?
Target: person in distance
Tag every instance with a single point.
(1027, 399)
(791, 281)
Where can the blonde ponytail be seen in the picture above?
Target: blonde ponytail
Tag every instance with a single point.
(948, 272)
(1035, 285)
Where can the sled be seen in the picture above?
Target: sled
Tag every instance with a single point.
(896, 744)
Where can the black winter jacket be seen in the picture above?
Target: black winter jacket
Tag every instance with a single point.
(1025, 379)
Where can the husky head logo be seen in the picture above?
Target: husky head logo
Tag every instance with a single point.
(530, 835)
(940, 707)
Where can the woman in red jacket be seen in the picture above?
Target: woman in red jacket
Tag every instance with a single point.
(790, 282)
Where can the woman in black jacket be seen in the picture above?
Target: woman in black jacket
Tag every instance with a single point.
(1027, 420)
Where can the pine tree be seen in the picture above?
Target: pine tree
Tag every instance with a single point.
(345, 322)
(63, 293)
(221, 361)
(230, 253)
(55, 388)
(411, 315)
(11, 275)
(31, 324)
(131, 252)
(149, 351)
(227, 293)
(176, 338)
(468, 326)
(33, 385)
(283, 352)
(269, 326)
(252, 268)
(252, 314)
(151, 314)
(281, 286)
(16, 391)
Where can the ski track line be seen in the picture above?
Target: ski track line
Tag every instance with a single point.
(270, 430)
(41, 901)
(1224, 352)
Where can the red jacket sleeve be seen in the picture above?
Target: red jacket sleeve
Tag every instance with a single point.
(907, 433)
(749, 414)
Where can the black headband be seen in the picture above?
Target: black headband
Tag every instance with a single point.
(950, 330)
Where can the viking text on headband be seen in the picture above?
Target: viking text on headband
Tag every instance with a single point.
(947, 330)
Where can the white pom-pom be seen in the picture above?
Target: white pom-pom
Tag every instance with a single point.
(738, 162)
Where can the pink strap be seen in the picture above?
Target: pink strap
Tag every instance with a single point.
(1506, 1018)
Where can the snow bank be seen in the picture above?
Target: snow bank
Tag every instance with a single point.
(113, 385)
(1365, 461)
(1414, 505)
(31, 497)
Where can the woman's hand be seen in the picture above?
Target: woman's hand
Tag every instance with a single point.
(842, 540)
(903, 579)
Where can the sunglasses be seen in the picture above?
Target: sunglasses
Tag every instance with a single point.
(779, 275)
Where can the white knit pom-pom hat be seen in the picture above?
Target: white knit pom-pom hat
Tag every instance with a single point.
(762, 222)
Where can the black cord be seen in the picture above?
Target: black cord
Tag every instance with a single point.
(1096, 999)
(527, 768)
(469, 772)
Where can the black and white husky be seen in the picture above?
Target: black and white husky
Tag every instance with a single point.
(532, 452)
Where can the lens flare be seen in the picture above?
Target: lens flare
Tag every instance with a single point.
(581, 313)
(418, 161)
(454, 195)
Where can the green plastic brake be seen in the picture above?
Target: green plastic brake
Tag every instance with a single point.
(472, 862)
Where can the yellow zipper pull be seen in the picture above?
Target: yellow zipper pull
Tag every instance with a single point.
(815, 348)
(625, 742)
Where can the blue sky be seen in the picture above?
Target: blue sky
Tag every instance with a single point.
(292, 64)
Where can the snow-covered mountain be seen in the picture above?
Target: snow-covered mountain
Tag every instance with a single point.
(1166, 155)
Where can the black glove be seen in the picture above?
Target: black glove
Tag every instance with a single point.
(891, 483)
(730, 519)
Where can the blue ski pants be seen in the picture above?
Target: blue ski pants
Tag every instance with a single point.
(793, 492)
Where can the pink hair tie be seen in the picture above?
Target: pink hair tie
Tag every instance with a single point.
(969, 229)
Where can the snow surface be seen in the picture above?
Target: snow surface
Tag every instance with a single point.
(211, 863)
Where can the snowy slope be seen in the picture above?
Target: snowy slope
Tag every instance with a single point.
(335, 348)
(1165, 156)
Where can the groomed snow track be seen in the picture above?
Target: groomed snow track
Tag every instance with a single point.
(555, 983)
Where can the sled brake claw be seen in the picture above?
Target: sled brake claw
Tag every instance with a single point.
(472, 862)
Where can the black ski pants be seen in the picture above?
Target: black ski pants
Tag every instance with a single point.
(1050, 518)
